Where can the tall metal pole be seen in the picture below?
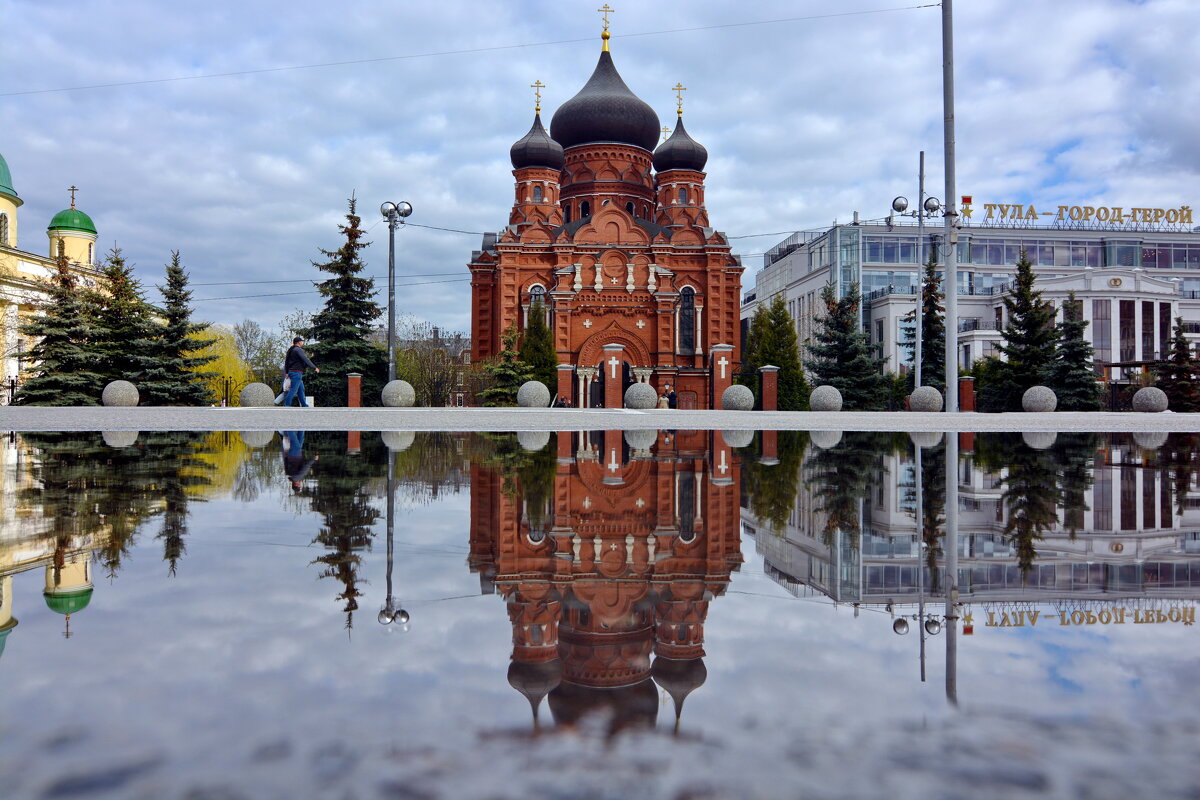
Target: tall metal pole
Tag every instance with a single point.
(951, 624)
(951, 214)
(393, 218)
(920, 282)
(920, 553)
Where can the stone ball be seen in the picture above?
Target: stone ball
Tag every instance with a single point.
(641, 396)
(256, 395)
(1039, 399)
(397, 441)
(926, 439)
(925, 398)
(825, 398)
(119, 439)
(826, 440)
(257, 438)
(738, 438)
(398, 394)
(737, 398)
(533, 394)
(1150, 399)
(123, 393)
(1039, 440)
(533, 441)
(641, 439)
(1150, 440)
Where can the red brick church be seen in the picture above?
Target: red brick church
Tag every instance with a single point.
(608, 229)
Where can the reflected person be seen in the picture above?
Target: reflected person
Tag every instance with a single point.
(295, 466)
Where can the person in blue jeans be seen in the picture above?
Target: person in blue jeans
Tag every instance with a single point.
(294, 365)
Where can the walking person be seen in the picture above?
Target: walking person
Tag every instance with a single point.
(294, 365)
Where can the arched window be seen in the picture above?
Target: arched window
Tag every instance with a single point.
(3, 228)
(687, 319)
(566, 213)
(537, 295)
(629, 208)
(683, 195)
(585, 209)
(90, 246)
(537, 194)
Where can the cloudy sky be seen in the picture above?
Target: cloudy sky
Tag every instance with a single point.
(236, 132)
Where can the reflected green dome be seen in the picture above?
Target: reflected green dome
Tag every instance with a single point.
(68, 602)
(72, 219)
(6, 186)
(4, 629)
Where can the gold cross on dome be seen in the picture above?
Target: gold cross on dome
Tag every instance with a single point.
(537, 87)
(73, 190)
(679, 89)
(666, 132)
(605, 11)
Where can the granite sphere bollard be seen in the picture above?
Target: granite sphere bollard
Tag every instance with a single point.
(641, 396)
(1150, 400)
(925, 398)
(397, 441)
(926, 439)
(825, 398)
(533, 394)
(257, 438)
(533, 441)
(641, 438)
(826, 440)
(1039, 440)
(119, 439)
(1150, 440)
(120, 393)
(398, 394)
(736, 439)
(256, 395)
(1039, 399)
(737, 398)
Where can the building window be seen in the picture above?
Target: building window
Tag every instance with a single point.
(1164, 327)
(1127, 326)
(90, 246)
(682, 195)
(1148, 330)
(585, 209)
(687, 319)
(629, 208)
(566, 213)
(4, 229)
(1102, 331)
(537, 194)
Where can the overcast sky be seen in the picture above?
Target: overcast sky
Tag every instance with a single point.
(810, 110)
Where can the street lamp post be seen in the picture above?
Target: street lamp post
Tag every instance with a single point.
(926, 207)
(394, 213)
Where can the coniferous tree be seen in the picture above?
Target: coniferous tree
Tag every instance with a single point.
(175, 376)
(507, 373)
(933, 331)
(1179, 375)
(843, 356)
(65, 369)
(537, 348)
(340, 332)
(1030, 340)
(772, 341)
(125, 329)
(1071, 375)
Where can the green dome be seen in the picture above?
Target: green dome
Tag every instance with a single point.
(68, 602)
(6, 186)
(72, 219)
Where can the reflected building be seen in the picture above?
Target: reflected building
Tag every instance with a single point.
(608, 560)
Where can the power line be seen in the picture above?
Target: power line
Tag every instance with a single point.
(311, 291)
(463, 51)
(309, 280)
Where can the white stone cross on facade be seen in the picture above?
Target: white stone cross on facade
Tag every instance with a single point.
(613, 464)
(615, 362)
(641, 323)
(612, 546)
(723, 466)
(613, 280)
(640, 503)
(587, 323)
(587, 502)
(723, 362)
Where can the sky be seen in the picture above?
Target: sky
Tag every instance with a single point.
(235, 133)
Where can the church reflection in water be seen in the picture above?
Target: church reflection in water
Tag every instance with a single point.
(608, 554)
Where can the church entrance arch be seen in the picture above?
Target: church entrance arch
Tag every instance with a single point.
(604, 374)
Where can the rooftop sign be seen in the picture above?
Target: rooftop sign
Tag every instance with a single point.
(1026, 215)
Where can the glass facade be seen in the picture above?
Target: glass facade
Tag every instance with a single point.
(1102, 330)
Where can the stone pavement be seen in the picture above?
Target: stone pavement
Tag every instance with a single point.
(150, 418)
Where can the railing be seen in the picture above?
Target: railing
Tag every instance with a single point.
(966, 325)
(887, 290)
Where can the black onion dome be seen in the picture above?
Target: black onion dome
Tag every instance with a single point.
(680, 151)
(605, 111)
(536, 149)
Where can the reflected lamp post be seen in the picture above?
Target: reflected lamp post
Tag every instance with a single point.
(394, 213)
(926, 207)
(391, 612)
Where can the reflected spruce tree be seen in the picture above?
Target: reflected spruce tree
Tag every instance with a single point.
(433, 464)
(1179, 464)
(770, 489)
(933, 505)
(524, 471)
(842, 477)
(180, 487)
(339, 489)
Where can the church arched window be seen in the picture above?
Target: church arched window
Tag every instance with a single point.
(629, 208)
(537, 294)
(585, 209)
(566, 213)
(90, 246)
(537, 194)
(683, 195)
(687, 319)
(3, 228)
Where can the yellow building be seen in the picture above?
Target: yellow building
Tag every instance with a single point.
(71, 233)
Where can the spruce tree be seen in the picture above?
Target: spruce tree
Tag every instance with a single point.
(933, 331)
(756, 335)
(175, 376)
(843, 356)
(537, 348)
(772, 341)
(125, 328)
(1179, 375)
(507, 373)
(1030, 341)
(341, 330)
(1071, 375)
(65, 369)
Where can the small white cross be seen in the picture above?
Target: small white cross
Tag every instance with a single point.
(641, 323)
(587, 323)
(723, 466)
(613, 280)
(723, 363)
(640, 503)
(587, 502)
(613, 464)
(612, 546)
(615, 363)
